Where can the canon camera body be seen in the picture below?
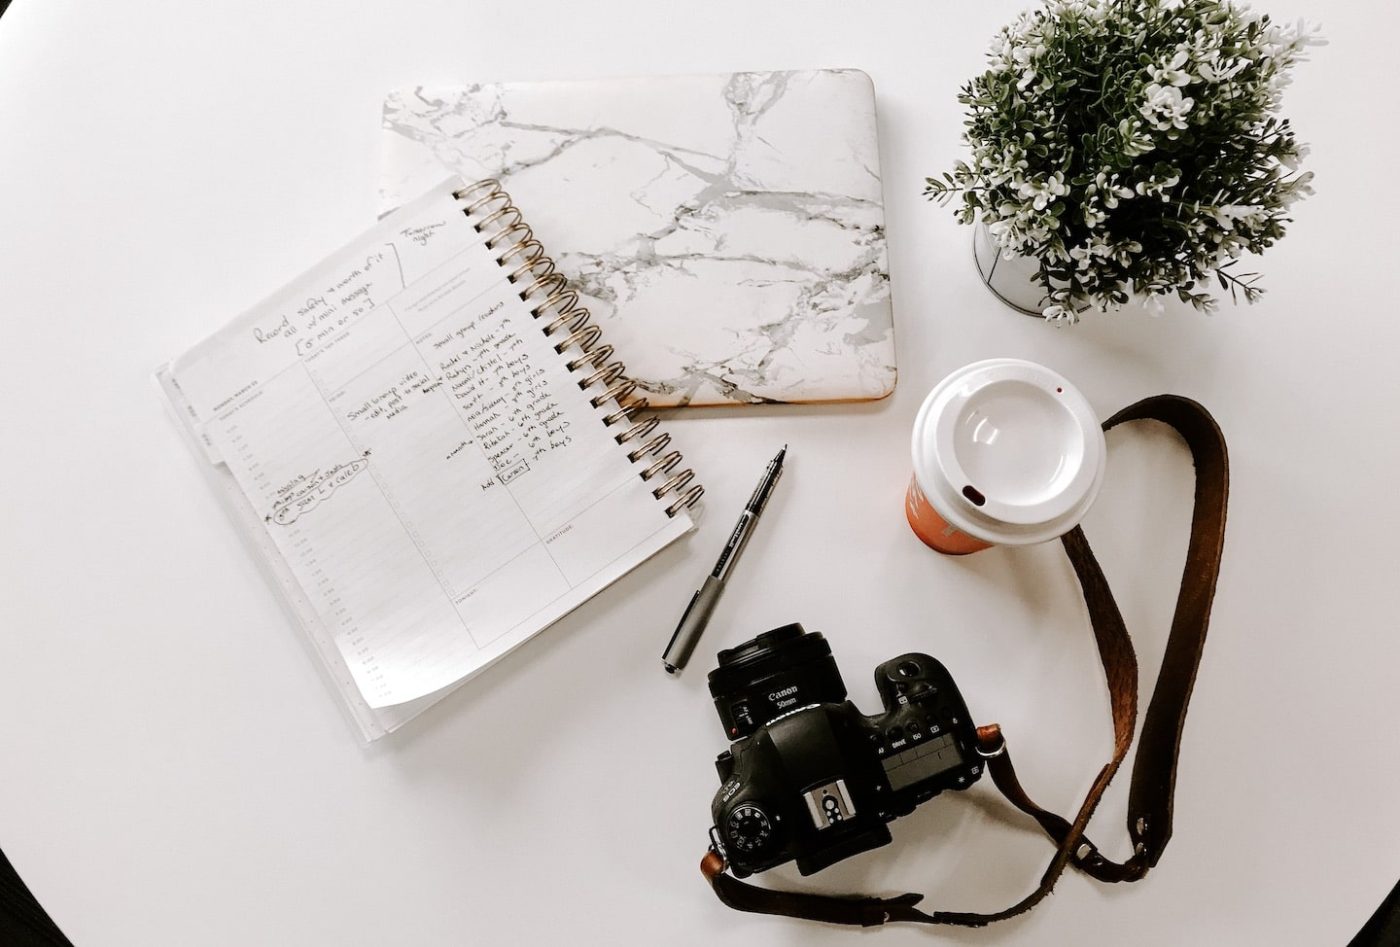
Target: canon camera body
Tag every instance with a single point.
(809, 777)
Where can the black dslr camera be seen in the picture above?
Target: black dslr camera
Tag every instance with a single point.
(810, 777)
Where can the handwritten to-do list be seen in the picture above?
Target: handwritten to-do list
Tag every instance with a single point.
(420, 454)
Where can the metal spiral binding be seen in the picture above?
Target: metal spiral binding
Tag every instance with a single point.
(547, 293)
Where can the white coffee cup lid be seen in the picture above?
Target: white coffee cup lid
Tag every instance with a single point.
(1008, 451)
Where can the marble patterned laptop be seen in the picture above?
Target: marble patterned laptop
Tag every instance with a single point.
(727, 231)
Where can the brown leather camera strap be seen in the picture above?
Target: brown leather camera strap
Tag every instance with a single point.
(1154, 770)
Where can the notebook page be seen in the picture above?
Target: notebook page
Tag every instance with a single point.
(421, 458)
(371, 723)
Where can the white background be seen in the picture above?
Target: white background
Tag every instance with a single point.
(174, 769)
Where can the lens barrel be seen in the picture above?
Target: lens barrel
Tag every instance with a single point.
(776, 672)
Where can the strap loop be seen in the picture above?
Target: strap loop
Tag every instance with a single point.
(990, 741)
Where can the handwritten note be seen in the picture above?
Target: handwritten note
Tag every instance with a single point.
(306, 492)
(419, 453)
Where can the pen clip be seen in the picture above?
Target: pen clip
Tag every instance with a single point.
(684, 615)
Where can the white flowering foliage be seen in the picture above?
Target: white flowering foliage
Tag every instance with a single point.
(1133, 147)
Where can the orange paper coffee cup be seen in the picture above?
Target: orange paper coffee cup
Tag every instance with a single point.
(1006, 452)
(933, 529)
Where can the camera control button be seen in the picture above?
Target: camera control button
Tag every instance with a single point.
(749, 828)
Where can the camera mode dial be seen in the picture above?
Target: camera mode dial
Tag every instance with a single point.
(749, 828)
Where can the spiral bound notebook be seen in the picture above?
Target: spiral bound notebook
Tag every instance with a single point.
(432, 449)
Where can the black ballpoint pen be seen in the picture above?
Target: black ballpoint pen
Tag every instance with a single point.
(697, 613)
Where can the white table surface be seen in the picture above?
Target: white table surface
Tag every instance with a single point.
(174, 769)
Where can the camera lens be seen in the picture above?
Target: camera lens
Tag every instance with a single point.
(777, 672)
